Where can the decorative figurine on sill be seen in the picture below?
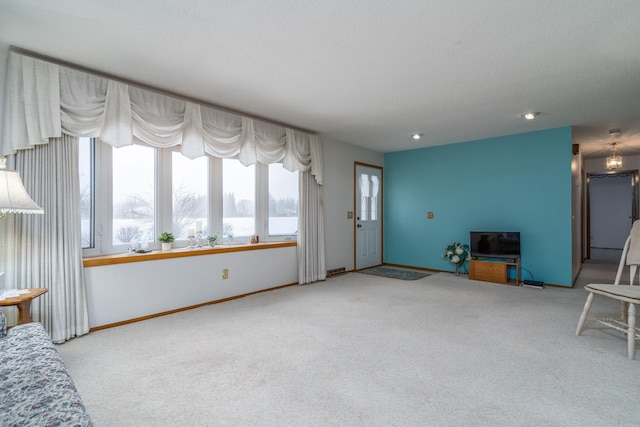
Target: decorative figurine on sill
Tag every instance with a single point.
(213, 239)
(133, 246)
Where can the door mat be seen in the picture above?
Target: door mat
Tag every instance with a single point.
(395, 273)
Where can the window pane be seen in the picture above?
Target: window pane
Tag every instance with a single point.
(238, 204)
(375, 187)
(283, 201)
(364, 197)
(85, 165)
(133, 194)
(189, 201)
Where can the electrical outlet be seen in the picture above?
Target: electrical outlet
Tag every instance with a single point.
(225, 273)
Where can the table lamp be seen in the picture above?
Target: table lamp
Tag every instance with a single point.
(13, 199)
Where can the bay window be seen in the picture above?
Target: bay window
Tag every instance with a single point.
(133, 190)
(190, 196)
(239, 201)
(283, 201)
(134, 193)
(86, 156)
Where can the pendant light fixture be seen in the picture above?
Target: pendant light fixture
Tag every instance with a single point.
(613, 161)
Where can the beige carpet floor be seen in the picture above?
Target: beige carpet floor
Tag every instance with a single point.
(361, 350)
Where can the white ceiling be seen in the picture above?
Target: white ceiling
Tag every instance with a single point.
(366, 72)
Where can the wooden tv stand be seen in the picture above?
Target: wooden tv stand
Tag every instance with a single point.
(494, 271)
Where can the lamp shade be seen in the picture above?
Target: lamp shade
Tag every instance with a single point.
(13, 196)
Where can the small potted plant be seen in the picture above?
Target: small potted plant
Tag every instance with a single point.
(166, 238)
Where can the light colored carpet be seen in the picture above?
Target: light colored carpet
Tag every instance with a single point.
(360, 350)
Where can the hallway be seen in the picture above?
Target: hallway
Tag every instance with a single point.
(599, 271)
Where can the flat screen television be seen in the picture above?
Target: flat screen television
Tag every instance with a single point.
(495, 244)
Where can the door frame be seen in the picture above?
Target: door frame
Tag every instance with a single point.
(635, 197)
(356, 199)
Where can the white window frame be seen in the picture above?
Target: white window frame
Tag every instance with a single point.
(103, 199)
(265, 212)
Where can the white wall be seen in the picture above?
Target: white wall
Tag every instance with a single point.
(121, 292)
(339, 161)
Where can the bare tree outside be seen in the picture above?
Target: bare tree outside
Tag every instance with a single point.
(133, 178)
(133, 219)
(190, 200)
(127, 233)
(238, 205)
(187, 208)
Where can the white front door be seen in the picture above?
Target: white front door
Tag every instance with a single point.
(368, 201)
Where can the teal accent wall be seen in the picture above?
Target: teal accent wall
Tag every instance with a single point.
(512, 183)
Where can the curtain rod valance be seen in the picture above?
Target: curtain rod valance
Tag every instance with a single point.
(44, 100)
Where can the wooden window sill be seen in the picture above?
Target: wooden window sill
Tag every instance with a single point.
(102, 260)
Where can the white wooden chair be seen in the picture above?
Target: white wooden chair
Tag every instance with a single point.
(628, 295)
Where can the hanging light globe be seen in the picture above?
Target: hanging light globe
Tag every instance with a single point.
(614, 161)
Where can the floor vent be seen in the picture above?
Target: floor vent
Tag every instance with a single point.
(336, 272)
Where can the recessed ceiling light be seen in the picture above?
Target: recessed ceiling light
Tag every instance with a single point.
(417, 136)
(530, 116)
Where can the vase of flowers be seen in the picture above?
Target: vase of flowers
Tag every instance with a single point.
(457, 254)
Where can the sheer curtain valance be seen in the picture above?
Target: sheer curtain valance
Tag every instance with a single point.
(45, 100)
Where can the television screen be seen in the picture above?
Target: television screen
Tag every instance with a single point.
(495, 244)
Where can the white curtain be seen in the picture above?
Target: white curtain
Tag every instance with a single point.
(311, 261)
(45, 251)
(45, 100)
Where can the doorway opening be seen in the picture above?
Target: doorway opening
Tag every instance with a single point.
(612, 207)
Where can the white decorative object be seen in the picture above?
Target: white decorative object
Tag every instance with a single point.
(166, 246)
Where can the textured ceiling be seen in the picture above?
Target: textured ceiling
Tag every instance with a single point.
(371, 72)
